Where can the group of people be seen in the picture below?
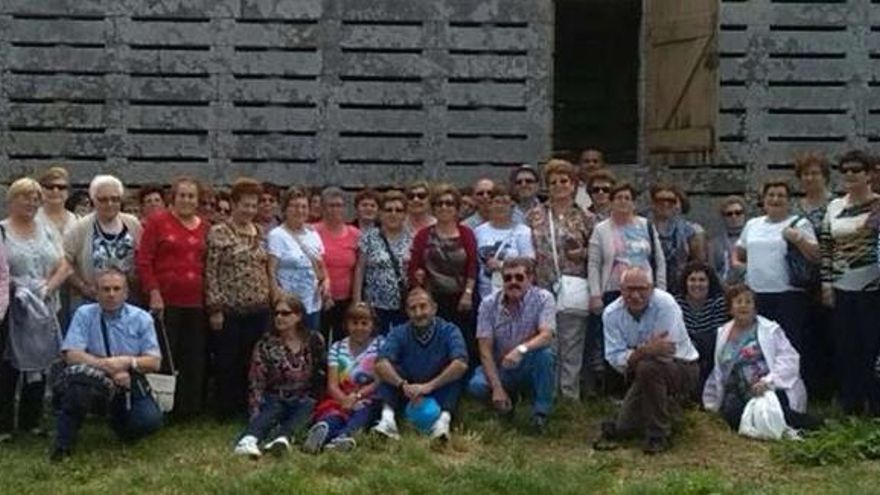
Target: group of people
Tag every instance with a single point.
(272, 305)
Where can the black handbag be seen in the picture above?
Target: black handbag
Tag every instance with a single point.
(802, 273)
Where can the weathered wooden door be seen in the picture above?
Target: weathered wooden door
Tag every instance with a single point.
(681, 92)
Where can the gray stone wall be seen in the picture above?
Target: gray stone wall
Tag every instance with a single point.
(350, 92)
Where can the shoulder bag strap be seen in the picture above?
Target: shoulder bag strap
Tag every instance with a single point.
(652, 254)
(160, 321)
(104, 333)
(553, 241)
(394, 263)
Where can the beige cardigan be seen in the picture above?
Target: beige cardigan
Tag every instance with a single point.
(601, 259)
(78, 246)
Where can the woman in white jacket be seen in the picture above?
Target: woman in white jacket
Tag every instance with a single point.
(753, 355)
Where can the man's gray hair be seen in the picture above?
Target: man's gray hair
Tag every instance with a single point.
(100, 181)
(111, 269)
(636, 270)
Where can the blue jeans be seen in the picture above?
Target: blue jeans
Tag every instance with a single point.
(447, 396)
(281, 416)
(129, 422)
(534, 374)
(357, 420)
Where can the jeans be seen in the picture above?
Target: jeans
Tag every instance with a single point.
(313, 321)
(234, 345)
(357, 420)
(130, 423)
(534, 374)
(447, 396)
(282, 417)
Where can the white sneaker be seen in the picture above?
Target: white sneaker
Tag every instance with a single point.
(387, 426)
(440, 429)
(248, 446)
(342, 444)
(316, 438)
(278, 447)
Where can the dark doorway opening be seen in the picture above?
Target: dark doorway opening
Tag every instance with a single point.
(596, 78)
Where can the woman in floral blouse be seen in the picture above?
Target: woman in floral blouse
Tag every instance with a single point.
(286, 379)
(380, 276)
(561, 227)
(351, 384)
(236, 295)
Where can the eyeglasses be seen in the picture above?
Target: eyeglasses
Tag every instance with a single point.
(560, 182)
(417, 195)
(519, 277)
(481, 194)
(284, 312)
(851, 170)
(445, 202)
(393, 210)
(55, 187)
(600, 189)
(109, 199)
(525, 181)
(734, 213)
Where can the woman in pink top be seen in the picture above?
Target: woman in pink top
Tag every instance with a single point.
(170, 266)
(340, 257)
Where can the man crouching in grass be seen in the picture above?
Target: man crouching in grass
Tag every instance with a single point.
(110, 340)
(514, 332)
(423, 358)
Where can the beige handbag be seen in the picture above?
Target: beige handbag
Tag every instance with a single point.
(164, 386)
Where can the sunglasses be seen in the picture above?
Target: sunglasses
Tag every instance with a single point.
(55, 187)
(482, 193)
(525, 181)
(600, 189)
(393, 210)
(734, 213)
(509, 277)
(851, 170)
(284, 312)
(417, 195)
(445, 202)
(560, 182)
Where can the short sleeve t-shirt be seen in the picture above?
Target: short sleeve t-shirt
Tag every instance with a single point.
(766, 269)
(513, 242)
(296, 271)
(341, 250)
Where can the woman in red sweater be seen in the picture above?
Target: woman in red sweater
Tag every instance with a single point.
(444, 261)
(171, 269)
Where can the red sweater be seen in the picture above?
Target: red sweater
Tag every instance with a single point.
(420, 244)
(170, 258)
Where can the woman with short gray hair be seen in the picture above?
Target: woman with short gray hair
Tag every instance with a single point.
(340, 257)
(106, 237)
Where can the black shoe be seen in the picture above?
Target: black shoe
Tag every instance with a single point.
(656, 445)
(59, 454)
(608, 437)
(539, 424)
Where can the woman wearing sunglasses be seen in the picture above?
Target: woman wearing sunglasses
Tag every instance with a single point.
(383, 258)
(56, 188)
(851, 285)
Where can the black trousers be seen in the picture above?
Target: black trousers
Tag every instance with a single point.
(733, 405)
(447, 308)
(188, 342)
(332, 322)
(856, 323)
(30, 407)
(790, 310)
(233, 346)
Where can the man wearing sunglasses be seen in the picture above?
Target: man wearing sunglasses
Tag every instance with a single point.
(514, 332)
(483, 197)
(524, 183)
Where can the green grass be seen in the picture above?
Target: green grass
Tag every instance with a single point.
(483, 457)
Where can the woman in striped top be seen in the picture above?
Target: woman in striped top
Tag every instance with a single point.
(851, 285)
(703, 309)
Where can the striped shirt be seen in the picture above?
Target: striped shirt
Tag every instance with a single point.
(706, 318)
(848, 244)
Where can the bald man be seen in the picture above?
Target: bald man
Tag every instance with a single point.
(646, 341)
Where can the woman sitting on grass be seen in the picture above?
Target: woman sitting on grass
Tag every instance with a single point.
(752, 356)
(286, 379)
(351, 385)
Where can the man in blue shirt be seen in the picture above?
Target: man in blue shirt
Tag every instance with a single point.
(646, 340)
(131, 339)
(514, 332)
(425, 357)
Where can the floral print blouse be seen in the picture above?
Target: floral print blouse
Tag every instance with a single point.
(236, 276)
(276, 371)
(572, 232)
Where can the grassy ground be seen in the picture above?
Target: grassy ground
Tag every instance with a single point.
(483, 457)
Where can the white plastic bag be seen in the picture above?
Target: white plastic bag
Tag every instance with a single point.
(763, 418)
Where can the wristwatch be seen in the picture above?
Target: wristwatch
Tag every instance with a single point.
(522, 349)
